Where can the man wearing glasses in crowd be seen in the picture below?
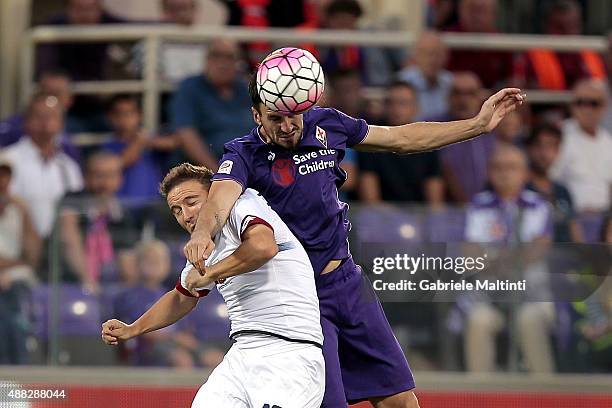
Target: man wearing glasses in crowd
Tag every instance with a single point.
(210, 109)
(585, 159)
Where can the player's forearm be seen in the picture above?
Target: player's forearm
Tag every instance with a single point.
(211, 219)
(424, 136)
(249, 256)
(167, 310)
(221, 198)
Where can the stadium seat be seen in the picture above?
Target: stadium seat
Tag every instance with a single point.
(382, 224)
(78, 325)
(208, 321)
(591, 226)
(447, 225)
(79, 312)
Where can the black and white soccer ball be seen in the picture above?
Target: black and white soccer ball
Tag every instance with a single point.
(290, 81)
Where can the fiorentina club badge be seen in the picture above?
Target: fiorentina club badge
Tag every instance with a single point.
(321, 136)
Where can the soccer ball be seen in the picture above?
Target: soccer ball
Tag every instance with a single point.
(290, 81)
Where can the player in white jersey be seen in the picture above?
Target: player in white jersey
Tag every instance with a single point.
(267, 281)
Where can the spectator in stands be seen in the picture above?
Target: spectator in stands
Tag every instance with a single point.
(607, 121)
(555, 70)
(180, 12)
(494, 68)
(340, 15)
(182, 59)
(511, 130)
(94, 225)
(594, 314)
(20, 248)
(153, 258)
(464, 165)
(141, 171)
(441, 14)
(42, 172)
(427, 75)
(20, 244)
(202, 337)
(345, 93)
(585, 160)
(271, 13)
(543, 150)
(509, 214)
(375, 64)
(411, 178)
(345, 89)
(211, 109)
(82, 61)
(56, 83)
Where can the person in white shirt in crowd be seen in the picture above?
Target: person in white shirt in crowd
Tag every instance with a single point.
(427, 74)
(181, 59)
(19, 243)
(19, 255)
(42, 172)
(585, 160)
(263, 273)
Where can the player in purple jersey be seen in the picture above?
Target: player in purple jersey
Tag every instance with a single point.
(294, 162)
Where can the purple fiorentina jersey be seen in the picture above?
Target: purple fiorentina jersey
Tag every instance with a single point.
(301, 185)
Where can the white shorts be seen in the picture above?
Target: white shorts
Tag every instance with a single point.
(265, 372)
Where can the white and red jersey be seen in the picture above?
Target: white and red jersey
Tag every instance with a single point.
(280, 297)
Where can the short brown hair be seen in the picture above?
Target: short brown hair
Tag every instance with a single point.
(253, 93)
(185, 172)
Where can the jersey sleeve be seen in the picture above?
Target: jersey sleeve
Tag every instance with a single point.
(356, 129)
(181, 285)
(233, 166)
(250, 211)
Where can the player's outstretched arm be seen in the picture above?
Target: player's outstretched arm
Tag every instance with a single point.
(168, 309)
(423, 136)
(214, 213)
(258, 247)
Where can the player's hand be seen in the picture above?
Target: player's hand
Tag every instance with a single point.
(497, 107)
(198, 249)
(114, 331)
(194, 280)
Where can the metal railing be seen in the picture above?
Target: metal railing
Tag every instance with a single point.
(152, 36)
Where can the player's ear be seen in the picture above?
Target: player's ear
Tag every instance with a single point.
(256, 115)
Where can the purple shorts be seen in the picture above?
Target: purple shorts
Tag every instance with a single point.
(362, 356)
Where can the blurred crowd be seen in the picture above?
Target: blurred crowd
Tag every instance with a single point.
(87, 215)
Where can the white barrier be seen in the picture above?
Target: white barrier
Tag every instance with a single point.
(153, 35)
